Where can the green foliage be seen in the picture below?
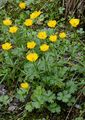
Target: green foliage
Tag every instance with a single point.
(40, 98)
(64, 96)
(57, 77)
(4, 100)
(79, 118)
(21, 94)
(54, 108)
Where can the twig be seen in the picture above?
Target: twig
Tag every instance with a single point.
(73, 105)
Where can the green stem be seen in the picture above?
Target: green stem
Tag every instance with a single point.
(76, 36)
(46, 65)
(54, 51)
(37, 71)
(3, 78)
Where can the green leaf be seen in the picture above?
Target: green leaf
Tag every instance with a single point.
(54, 108)
(36, 104)
(28, 2)
(30, 70)
(4, 99)
(71, 86)
(29, 107)
(79, 118)
(50, 96)
(64, 96)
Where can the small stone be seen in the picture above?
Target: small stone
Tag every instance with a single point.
(2, 90)
(12, 108)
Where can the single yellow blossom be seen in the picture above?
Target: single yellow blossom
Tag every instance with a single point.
(62, 35)
(53, 38)
(6, 46)
(28, 22)
(74, 22)
(35, 14)
(44, 47)
(31, 44)
(52, 23)
(7, 22)
(42, 35)
(32, 57)
(24, 85)
(13, 29)
(22, 5)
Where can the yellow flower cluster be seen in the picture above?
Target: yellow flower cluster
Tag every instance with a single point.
(6, 46)
(29, 22)
(33, 56)
(8, 22)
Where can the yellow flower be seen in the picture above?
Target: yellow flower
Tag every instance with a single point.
(31, 44)
(74, 22)
(44, 47)
(22, 5)
(35, 14)
(42, 35)
(53, 38)
(7, 22)
(28, 22)
(52, 23)
(13, 29)
(62, 35)
(24, 85)
(6, 46)
(32, 57)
